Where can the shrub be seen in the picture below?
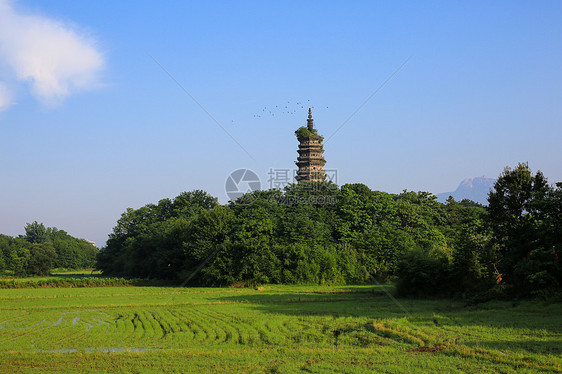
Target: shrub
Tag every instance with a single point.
(422, 272)
(75, 283)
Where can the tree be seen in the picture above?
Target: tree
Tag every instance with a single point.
(521, 214)
(35, 232)
(42, 257)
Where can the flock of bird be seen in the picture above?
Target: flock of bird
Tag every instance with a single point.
(289, 108)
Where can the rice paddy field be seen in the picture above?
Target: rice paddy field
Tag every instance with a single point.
(272, 329)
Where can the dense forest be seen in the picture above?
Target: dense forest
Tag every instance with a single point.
(322, 233)
(43, 248)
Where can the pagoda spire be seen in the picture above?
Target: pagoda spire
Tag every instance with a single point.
(310, 160)
(309, 121)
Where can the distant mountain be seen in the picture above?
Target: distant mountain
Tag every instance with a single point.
(475, 189)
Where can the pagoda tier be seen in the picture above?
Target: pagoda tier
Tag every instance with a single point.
(310, 161)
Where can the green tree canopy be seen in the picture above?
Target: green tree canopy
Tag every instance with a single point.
(35, 232)
(522, 214)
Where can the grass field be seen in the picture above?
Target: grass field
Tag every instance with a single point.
(270, 329)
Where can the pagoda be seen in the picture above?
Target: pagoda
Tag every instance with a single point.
(310, 161)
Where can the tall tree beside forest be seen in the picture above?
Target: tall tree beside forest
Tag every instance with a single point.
(35, 232)
(524, 217)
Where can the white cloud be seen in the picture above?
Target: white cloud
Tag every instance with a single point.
(53, 58)
(5, 97)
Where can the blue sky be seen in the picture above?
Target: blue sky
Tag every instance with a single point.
(90, 124)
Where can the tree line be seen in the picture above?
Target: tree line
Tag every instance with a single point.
(43, 248)
(514, 251)
(307, 233)
(321, 233)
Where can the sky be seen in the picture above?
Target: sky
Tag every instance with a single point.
(107, 105)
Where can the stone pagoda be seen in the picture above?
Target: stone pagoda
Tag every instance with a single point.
(310, 161)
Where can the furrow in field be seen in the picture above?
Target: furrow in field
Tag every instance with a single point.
(164, 327)
(206, 324)
(231, 331)
(199, 334)
(189, 330)
(124, 327)
(235, 331)
(213, 328)
(146, 324)
(248, 333)
(225, 332)
(138, 327)
(22, 330)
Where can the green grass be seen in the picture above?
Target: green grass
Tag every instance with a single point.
(273, 329)
(74, 278)
(63, 271)
(55, 274)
